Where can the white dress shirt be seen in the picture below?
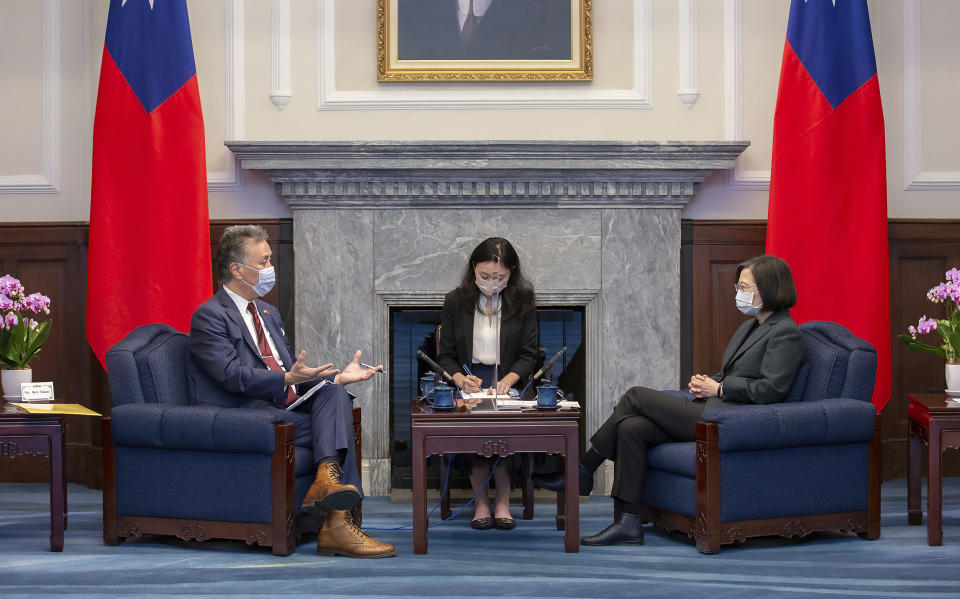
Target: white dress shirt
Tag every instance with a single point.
(479, 9)
(248, 319)
(486, 334)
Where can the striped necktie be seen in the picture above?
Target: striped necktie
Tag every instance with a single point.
(265, 354)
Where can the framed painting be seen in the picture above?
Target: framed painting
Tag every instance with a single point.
(484, 40)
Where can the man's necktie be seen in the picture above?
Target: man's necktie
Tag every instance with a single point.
(265, 354)
(468, 25)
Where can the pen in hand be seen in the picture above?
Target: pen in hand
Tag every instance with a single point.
(370, 367)
(467, 370)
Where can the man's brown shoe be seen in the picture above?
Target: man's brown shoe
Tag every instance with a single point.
(328, 493)
(340, 536)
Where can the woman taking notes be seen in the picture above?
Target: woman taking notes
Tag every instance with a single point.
(490, 330)
(758, 367)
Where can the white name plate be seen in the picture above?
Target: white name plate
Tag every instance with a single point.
(36, 392)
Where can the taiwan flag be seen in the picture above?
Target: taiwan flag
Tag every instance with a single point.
(828, 193)
(149, 257)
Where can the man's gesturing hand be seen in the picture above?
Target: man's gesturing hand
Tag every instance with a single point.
(301, 373)
(354, 372)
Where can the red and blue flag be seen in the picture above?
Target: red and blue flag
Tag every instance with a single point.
(149, 256)
(828, 194)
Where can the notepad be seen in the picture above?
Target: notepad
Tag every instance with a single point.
(308, 394)
(485, 395)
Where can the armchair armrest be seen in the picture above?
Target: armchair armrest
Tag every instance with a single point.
(198, 428)
(774, 426)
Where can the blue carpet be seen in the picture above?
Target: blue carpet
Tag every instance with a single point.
(526, 562)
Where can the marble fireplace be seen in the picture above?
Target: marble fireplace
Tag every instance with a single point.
(381, 225)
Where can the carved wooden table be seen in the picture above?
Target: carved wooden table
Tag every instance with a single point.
(935, 422)
(39, 434)
(490, 433)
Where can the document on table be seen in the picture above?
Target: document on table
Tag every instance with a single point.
(520, 404)
(484, 395)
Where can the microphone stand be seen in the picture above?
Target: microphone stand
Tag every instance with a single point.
(540, 372)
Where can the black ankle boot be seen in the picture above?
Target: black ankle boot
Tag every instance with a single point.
(627, 529)
(555, 481)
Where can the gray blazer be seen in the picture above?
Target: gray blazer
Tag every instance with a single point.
(760, 361)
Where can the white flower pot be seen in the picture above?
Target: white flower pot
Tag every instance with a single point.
(11, 380)
(953, 377)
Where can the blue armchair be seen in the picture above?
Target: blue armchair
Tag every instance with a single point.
(172, 467)
(810, 463)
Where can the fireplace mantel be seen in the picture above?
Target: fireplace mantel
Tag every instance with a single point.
(379, 225)
(470, 174)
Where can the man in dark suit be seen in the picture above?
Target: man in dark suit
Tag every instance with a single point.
(483, 30)
(245, 360)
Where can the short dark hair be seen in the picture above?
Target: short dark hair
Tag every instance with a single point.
(774, 281)
(518, 296)
(233, 247)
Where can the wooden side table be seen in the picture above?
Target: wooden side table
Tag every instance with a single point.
(934, 422)
(39, 434)
(500, 433)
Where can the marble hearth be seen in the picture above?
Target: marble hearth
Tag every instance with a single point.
(389, 224)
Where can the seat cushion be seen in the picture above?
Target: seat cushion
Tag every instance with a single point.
(678, 458)
(670, 491)
(199, 485)
(763, 484)
(794, 481)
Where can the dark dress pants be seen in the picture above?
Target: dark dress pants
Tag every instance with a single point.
(643, 418)
(324, 424)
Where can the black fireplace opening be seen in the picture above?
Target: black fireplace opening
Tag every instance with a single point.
(413, 329)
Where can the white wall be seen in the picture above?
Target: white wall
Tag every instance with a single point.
(50, 58)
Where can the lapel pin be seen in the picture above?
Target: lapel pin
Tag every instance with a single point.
(265, 312)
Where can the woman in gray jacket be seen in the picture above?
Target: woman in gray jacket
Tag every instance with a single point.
(758, 367)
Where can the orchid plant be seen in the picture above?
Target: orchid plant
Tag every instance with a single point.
(21, 337)
(948, 328)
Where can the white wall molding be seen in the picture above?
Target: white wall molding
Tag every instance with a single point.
(231, 178)
(737, 177)
(280, 93)
(393, 96)
(688, 52)
(915, 178)
(48, 181)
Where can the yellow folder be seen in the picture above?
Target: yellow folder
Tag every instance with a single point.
(57, 408)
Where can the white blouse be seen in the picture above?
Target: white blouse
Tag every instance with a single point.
(486, 334)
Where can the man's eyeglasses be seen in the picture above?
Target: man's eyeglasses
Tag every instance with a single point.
(740, 287)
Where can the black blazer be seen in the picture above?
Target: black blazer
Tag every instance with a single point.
(518, 339)
(760, 361)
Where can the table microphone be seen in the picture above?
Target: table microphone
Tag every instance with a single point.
(436, 367)
(546, 365)
(550, 362)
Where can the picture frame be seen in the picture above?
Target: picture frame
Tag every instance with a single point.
(504, 40)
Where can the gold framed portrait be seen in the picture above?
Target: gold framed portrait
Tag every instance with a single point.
(484, 40)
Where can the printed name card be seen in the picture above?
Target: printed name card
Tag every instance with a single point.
(36, 392)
